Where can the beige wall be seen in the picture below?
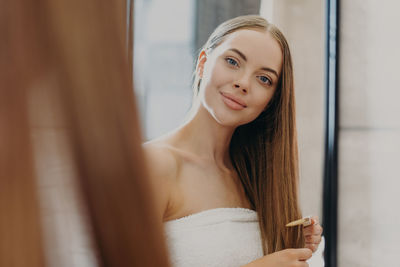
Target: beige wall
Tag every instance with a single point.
(369, 143)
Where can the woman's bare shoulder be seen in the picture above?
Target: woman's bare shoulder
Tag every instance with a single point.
(163, 169)
(162, 158)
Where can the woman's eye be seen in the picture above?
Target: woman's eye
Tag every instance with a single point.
(265, 80)
(231, 61)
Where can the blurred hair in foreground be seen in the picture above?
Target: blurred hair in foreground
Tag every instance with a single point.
(81, 44)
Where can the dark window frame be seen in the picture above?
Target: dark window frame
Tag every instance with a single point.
(330, 187)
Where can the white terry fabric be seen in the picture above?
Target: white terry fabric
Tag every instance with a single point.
(317, 260)
(223, 237)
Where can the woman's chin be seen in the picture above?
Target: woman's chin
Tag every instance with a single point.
(227, 120)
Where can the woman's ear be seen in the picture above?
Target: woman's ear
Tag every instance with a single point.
(200, 63)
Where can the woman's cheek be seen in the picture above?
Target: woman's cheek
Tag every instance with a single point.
(265, 97)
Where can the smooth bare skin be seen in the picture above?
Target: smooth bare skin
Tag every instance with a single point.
(190, 168)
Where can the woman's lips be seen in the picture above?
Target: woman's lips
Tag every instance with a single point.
(233, 102)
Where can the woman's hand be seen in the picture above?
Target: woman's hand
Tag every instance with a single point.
(293, 257)
(312, 234)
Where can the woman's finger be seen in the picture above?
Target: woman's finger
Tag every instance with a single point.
(315, 220)
(315, 239)
(315, 229)
(313, 247)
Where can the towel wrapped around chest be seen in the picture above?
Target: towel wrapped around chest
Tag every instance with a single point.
(221, 237)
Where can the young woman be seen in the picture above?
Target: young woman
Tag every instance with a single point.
(226, 181)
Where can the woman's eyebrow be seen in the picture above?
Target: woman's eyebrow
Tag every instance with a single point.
(271, 70)
(245, 59)
(239, 53)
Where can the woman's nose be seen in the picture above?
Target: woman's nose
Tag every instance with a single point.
(243, 89)
(243, 82)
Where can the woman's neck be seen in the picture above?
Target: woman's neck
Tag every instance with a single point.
(203, 136)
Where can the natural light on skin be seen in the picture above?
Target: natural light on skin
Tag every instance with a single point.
(246, 67)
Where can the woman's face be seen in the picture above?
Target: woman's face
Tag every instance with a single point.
(239, 77)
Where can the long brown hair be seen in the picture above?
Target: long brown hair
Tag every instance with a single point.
(83, 45)
(264, 151)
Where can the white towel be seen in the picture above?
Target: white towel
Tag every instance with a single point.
(223, 237)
